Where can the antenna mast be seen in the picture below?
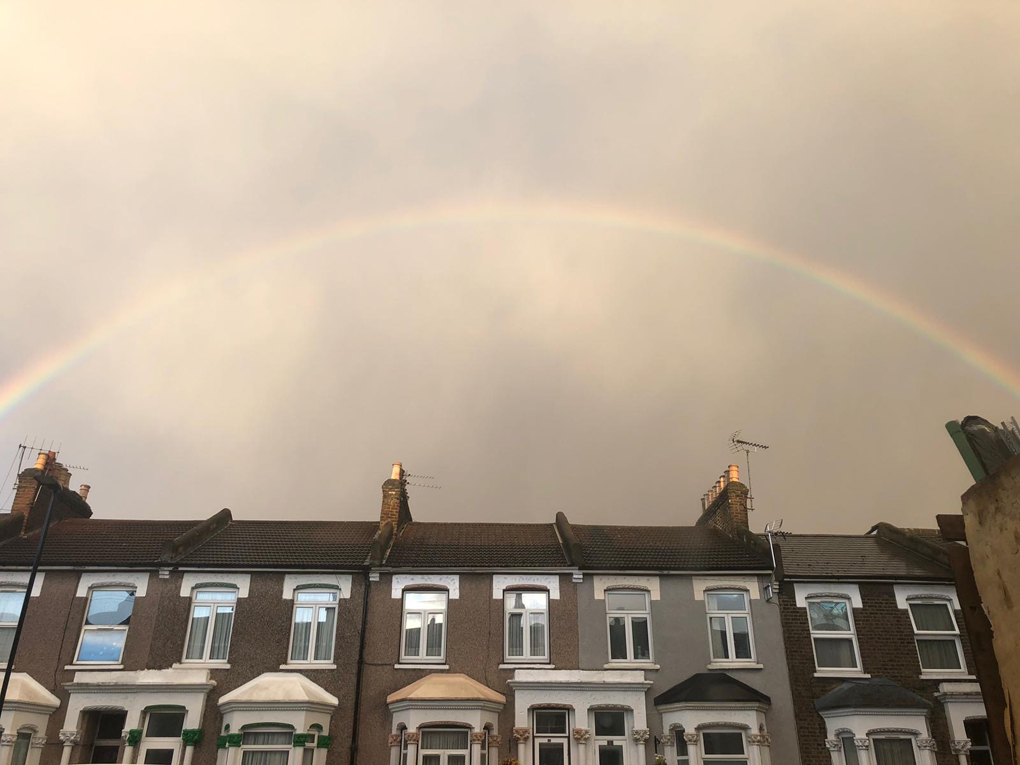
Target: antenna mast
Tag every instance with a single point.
(737, 444)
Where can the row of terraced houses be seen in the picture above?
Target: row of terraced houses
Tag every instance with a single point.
(391, 641)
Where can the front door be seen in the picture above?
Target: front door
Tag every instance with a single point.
(553, 753)
(161, 742)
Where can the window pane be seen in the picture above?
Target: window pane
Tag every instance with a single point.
(105, 754)
(977, 732)
(642, 644)
(199, 629)
(267, 738)
(893, 751)
(515, 635)
(434, 636)
(101, 645)
(6, 641)
(550, 722)
(315, 596)
(610, 754)
(829, 616)
(220, 595)
(535, 600)
(537, 632)
(423, 601)
(308, 755)
(932, 617)
(302, 633)
(618, 637)
(324, 634)
(109, 607)
(741, 638)
(221, 633)
(111, 725)
(412, 635)
(720, 647)
(159, 756)
(270, 757)
(10, 606)
(21, 744)
(609, 723)
(626, 601)
(836, 653)
(456, 759)
(726, 601)
(551, 754)
(165, 724)
(938, 654)
(456, 740)
(723, 742)
(431, 759)
(850, 751)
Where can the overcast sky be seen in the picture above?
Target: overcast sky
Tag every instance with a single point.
(530, 365)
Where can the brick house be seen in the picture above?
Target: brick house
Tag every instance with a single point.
(878, 656)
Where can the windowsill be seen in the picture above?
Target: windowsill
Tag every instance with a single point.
(735, 665)
(422, 665)
(307, 665)
(93, 666)
(839, 675)
(632, 665)
(200, 665)
(946, 676)
(525, 665)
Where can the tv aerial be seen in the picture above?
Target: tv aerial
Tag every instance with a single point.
(738, 444)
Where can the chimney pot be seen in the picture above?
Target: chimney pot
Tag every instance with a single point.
(43, 458)
(83, 491)
(398, 471)
(721, 483)
(733, 474)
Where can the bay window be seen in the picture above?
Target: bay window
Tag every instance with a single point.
(212, 621)
(107, 616)
(526, 626)
(424, 635)
(314, 625)
(628, 615)
(445, 746)
(269, 746)
(729, 626)
(831, 623)
(937, 636)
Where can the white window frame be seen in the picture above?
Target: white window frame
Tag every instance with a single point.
(267, 747)
(214, 604)
(708, 759)
(172, 743)
(422, 658)
(843, 738)
(623, 741)
(825, 634)
(107, 628)
(873, 756)
(402, 760)
(12, 625)
(526, 614)
(678, 738)
(728, 616)
(628, 628)
(314, 633)
(444, 754)
(943, 635)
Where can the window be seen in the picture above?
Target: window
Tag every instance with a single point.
(683, 756)
(212, 620)
(729, 626)
(444, 746)
(314, 626)
(311, 740)
(723, 748)
(106, 625)
(162, 740)
(936, 635)
(527, 626)
(850, 756)
(484, 759)
(893, 751)
(10, 609)
(610, 735)
(106, 742)
(552, 745)
(21, 744)
(629, 617)
(266, 746)
(403, 746)
(832, 633)
(424, 612)
(980, 746)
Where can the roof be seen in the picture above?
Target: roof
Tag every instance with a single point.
(711, 686)
(518, 545)
(242, 544)
(665, 548)
(23, 689)
(849, 556)
(446, 686)
(280, 687)
(873, 693)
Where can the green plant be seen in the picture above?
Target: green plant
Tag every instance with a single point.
(509, 761)
(660, 759)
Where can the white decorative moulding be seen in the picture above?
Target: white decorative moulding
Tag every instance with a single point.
(333, 581)
(192, 580)
(908, 592)
(20, 579)
(501, 582)
(804, 590)
(748, 583)
(136, 580)
(449, 582)
(603, 582)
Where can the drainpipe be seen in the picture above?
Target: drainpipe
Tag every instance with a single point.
(361, 671)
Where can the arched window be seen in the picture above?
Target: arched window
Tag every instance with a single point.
(729, 626)
(526, 626)
(212, 621)
(831, 621)
(629, 619)
(683, 756)
(107, 616)
(849, 749)
(314, 625)
(21, 744)
(424, 635)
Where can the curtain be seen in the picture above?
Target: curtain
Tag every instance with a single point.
(515, 635)
(741, 637)
(324, 634)
(850, 756)
(835, 653)
(268, 738)
(432, 740)
(221, 633)
(618, 637)
(720, 647)
(302, 634)
(21, 749)
(639, 634)
(266, 757)
(938, 654)
(537, 631)
(434, 636)
(932, 617)
(199, 629)
(412, 635)
(893, 751)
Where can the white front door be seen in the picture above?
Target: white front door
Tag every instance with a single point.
(161, 740)
(552, 751)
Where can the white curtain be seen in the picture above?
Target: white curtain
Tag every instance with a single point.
(432, 740)
(199, 629)
(537, 635)
(515, 635)
(302, 634)
(893, 751)
(324, 635)
(221, 633)
(267, 738)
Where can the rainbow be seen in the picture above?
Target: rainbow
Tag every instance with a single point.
(35, 375)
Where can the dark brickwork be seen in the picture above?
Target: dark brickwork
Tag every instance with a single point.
(886, 640)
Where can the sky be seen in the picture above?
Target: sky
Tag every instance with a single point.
(551, 254)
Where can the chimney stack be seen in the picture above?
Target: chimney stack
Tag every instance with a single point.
(725, 504)
(31, 498)
(395, 510)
